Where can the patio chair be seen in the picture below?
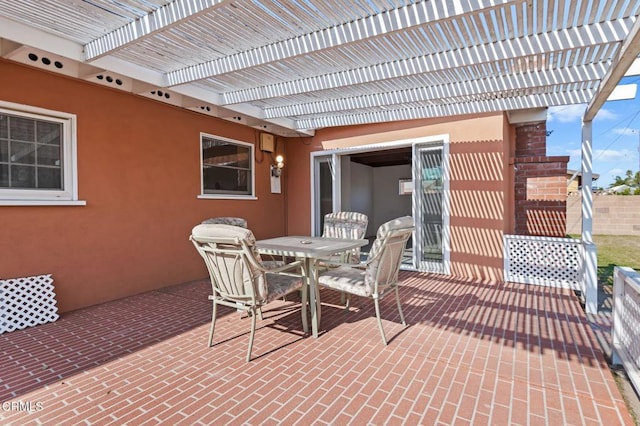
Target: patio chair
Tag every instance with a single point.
(351, 225)
(239, 279)
(379, 274)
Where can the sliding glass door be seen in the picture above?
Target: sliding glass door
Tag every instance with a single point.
(429, 208)
(429, 250)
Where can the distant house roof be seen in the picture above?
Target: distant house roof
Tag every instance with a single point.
(619, 188)
(578, 174)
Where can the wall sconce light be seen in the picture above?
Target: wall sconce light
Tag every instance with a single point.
(276, 169)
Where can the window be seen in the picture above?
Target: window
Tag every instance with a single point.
(37, 156)
(227, 168)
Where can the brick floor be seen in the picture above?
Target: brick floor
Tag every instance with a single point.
(472, 353)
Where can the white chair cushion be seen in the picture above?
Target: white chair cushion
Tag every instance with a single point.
(211, 230)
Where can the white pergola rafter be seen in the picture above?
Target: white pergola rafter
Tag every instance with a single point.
(413, 15)
(155, 21)
(592, 35)
(471, 88)
(287, 63)
(474, 107)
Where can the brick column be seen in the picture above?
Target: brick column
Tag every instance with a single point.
(540, 185)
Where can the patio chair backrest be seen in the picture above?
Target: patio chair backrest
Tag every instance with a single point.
(232, 260)
(226, 220)
(386, 253)
(350, 225)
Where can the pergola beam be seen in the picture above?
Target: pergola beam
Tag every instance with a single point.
(482, 88)
(626, 56)
(507, 104)
(155, 21)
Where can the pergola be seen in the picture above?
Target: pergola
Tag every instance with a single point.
(293, 66)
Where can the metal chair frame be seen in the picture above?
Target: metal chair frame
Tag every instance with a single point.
(379, 274)
(238, 278)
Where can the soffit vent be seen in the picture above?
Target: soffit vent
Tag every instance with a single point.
(110, 79)
(44, 60)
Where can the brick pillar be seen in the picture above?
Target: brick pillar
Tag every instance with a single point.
(531, 140)
(540, 185)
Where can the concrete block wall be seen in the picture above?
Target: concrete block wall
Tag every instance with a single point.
(612, 214)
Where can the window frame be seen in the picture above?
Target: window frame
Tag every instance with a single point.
(252, 170)
(68, 195)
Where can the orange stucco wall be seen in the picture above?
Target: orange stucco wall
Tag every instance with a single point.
(138, 170)
(482, 206)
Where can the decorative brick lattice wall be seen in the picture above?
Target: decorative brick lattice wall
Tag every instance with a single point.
(25, 302)
(540, 185)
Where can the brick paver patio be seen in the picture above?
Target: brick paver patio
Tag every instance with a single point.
(472, 353)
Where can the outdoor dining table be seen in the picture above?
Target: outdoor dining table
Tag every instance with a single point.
(310, 250)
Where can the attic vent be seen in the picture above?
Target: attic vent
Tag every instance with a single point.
(161, 94)
(45, 60)
(109, 79)
(206, 108)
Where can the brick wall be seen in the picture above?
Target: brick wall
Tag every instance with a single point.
(612, 215)
(531, 140)
(540, 185)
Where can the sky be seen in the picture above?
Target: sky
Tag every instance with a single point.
(616, 136)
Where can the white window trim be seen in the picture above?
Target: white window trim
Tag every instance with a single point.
(68, 196)
(251, 196)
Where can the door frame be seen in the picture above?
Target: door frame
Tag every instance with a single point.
(336, 170)
(419, 264)
(336, 155)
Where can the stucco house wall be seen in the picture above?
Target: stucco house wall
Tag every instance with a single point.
(139, 173)
(481, 158)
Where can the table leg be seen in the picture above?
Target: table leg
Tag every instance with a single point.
(311, 275)
(315, 280)
(304, 296)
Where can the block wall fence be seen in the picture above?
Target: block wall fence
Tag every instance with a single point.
(612, 214)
